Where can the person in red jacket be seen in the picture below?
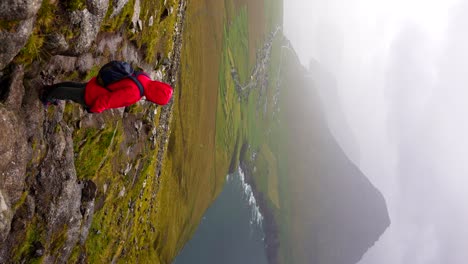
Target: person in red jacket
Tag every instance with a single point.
(96, 98)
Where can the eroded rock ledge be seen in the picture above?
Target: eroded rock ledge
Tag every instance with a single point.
(46, 208)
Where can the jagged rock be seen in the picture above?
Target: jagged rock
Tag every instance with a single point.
(12, 42)
(5, 217)
(138, 125)
(97, 7)
(61, 63)
(140, 25)
(122, 192)
(118, 5)
(18, 9)
(13, 155)
(88, 192)
(127, 169)
(111, 44)
(38, 249)
(57, 178)
(55, 43)
(89, 25)
(166, 61)
(85, 62)
(13, 147)
(136, 16)
(158, 75)
(16, 90)
(13, 159)
(49, 198)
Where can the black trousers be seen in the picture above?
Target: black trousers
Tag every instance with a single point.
(74, 91)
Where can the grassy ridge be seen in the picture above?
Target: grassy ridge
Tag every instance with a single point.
(191, 179)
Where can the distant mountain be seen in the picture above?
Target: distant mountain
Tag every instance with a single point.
(327, 88)
(337, 214)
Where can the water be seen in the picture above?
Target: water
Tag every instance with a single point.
(231, 231)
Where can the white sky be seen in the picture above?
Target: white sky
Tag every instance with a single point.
(402, 72)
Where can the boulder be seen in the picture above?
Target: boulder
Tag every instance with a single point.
(5, 217)
(56, 43)
(13, 155)
(97, 7)
(117, 6)
(15, 93)
(85, 62)
(18, 9)
(13, 41)
(89, 24)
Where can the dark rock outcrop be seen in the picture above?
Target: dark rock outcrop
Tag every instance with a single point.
(13, 152)
(12, 41)
(18, 9)
(88, 21)
(46, 209)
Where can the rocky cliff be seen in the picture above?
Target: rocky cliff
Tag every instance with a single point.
(61, 167)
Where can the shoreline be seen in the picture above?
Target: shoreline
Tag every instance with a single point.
(269, 223)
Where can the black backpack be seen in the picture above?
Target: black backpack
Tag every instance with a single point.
(115, 71)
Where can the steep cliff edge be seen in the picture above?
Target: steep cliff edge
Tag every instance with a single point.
(74, 184)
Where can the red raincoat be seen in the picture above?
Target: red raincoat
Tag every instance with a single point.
(124, 93)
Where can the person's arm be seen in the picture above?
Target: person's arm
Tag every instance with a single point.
(119, 98)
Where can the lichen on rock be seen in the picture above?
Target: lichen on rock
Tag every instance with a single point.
(12, 42)
(60, 166)
(18, 9)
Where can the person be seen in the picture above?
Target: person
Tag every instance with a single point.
(96, 98)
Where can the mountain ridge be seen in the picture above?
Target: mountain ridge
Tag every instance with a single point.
(339, 213)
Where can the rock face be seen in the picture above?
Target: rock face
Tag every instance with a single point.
(21, 16)
(46, 190)
(19, 9)
(88, 21)
(12, 42)
(46, 205)
(13, 152)
(21, 13)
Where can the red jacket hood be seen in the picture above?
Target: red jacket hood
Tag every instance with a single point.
(158, 92)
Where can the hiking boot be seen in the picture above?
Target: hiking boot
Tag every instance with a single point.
(46, 102)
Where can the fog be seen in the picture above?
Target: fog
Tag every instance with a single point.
(402, 73)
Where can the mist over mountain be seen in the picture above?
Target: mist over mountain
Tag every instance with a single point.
(326, 85)
(338, 213)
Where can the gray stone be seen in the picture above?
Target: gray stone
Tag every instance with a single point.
(57, 178)
(55, 43)
(12, 42)
(5, 217)
(136, 15)
(158, 75)
(18, 9)
(118, 5)
(97, 7)
(140, 25)
(16, 90)
(111, 44)
(13, 155)
(61, 63)
(89, 25)
(85, 62)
